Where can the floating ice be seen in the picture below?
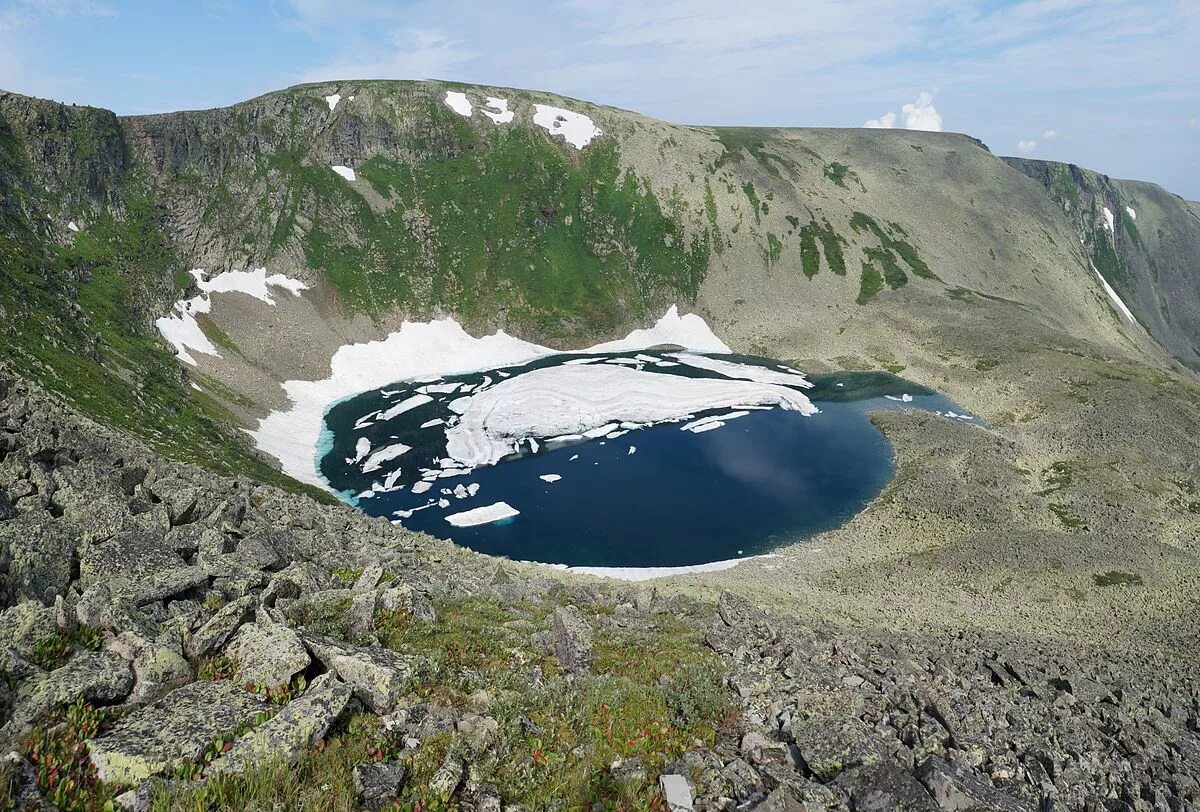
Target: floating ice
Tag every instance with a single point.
(385, 454)
(345, 171)
(576, 129)
(581, 399)
(361, 449)
(406, 405)
(743, 371)
(421, 487)
(482, 515)
(550, 477)
(458, 102)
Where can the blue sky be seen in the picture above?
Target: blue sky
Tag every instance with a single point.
(1111, 85)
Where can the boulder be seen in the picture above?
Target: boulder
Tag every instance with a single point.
(100, 677)
(39, 551)
(827, 746)
(956, 790)
(572, 640)
(379, 676)
(676, 792)
(267, 653)
(286, 735)
(213, 634)
(378, 783)
(178, 727)
(883, 788)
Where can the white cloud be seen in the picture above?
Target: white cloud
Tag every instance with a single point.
(1049, 135)
(1194, 123)
(920, 115)
(1026, 147)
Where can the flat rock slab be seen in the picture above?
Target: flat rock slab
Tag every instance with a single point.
(96, 676)
(883, 788)
(286, 735)
(572, 639)
(213, 634)
(379, 676)
(829, 746)
(179, 726)
(268, 654)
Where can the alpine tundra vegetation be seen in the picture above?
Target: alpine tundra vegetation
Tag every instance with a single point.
(861, 464)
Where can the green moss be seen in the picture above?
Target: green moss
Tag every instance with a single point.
(774, 249)
(892, 273)
(810, 258)
(739, 141)
(872, 283)
(752, 196)
(1117, 578)
(1065, 517)
(893, 246)
(836, 172)
(831, 244)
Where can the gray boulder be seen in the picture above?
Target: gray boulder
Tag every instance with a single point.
(676, 792)
(956, 790)
(96, 676)
(213, 634)
(827, 746)
(883, 788)
(267, 653)
(286, 735)
(179, 726)
(379, 676)
(572, 640)
(378, 784)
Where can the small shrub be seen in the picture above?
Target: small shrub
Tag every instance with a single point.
(215, 668)
(58, 752)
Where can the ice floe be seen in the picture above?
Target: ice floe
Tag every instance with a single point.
(905, 398)
(576, 129)
(458, 102)
(501, 114)
(385, 454)
(332, 100)
(182, 330)
(482, 515)
(361, 449)
(744, 371)
(550, 477)
(345, 171)
(555, 401)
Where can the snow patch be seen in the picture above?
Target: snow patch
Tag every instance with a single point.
(332, 100)
(72, 227)
(482, 515)
(182, 331)
(650, 573)
(1132, 214)
(458, 102)
(1112, 294)
(502, 115)
(1108, 220)
(743, 371)
(576, 129)
(345, 171)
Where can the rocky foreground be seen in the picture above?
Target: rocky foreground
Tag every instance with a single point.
(172, 639)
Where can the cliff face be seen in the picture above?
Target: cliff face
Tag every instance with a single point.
(1150, 253)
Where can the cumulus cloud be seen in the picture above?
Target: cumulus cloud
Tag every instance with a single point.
(920, 115)
(1026, 147)
(1194, 123)
(1049, 135)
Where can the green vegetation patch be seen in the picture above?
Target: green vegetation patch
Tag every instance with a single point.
(1117, 578)
(891, 250)
(810, 257)
(872, 283)
(747, 140)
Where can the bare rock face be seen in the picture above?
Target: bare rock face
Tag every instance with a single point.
(572, 640)
(96, 676)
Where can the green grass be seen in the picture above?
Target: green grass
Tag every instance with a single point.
(810, 257)
(774, 249)
(1117, 578)
(749, 141)
(837, 172)
(871, 283)
(891, 250)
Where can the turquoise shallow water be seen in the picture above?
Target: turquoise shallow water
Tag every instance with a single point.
(679, 498)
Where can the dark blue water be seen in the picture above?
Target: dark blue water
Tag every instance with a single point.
(681, 498)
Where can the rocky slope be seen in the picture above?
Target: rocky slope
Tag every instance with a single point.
(175, 640)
